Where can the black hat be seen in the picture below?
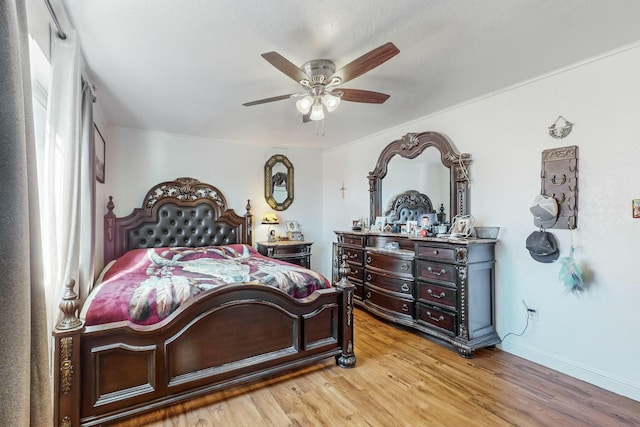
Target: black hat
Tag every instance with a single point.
(543, 246)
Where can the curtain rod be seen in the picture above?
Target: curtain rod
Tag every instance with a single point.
(59, 31)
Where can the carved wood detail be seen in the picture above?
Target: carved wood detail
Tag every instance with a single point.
(66, 365)
(184, 189)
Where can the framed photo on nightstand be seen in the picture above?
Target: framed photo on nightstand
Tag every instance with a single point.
(292, 226)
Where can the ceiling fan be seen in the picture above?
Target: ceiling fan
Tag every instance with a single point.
(320, 79)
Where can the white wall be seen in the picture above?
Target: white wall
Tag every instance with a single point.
(591, 336)
(136, 160)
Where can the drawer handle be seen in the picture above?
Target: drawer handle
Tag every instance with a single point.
(405, 307)
(368, 260)
(430, 292)
(435, 319)
(368, 295)
(440, 273)
(435, 252)
(405, 287)
(404, 266)
(352, 256)
(368, 277)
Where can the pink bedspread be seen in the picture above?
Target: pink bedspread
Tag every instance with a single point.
(145, 286)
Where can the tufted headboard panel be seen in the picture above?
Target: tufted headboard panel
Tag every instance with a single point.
(183, 226)
(184, 212)
(408, 206)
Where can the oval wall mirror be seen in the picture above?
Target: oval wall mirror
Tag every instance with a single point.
(278, 182)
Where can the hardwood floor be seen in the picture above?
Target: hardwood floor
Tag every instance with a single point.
(403, 379)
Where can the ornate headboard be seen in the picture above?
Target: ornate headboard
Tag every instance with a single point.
(184, 212)
(408, 206)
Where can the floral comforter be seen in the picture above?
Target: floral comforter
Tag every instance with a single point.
(145, 286)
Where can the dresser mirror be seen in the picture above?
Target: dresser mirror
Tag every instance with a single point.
(278, 182)
(426, 162)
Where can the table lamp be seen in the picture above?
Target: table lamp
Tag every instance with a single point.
(270, 219)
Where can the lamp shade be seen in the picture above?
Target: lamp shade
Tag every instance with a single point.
(270, 218)
(331, 102)
(304, 105)
(317, 112)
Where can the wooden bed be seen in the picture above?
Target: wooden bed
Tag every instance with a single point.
(221, 338)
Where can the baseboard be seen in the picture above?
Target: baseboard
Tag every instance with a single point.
(616, 385)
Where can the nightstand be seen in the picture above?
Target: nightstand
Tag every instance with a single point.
(293, 251)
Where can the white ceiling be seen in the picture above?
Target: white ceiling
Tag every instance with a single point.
(186, 66)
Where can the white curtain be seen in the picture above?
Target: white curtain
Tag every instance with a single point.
(68, 178)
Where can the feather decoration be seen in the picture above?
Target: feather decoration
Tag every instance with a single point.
(183, 289)
(164, 297)
(571, 274)
(139, 308)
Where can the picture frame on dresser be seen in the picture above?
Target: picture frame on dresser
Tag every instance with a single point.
(461, 226)
(427, 220)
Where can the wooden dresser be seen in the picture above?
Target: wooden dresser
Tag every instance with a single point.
(442, 287)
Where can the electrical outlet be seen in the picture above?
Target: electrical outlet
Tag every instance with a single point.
(532, 312)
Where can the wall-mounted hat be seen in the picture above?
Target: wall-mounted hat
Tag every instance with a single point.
(544, 210)
(542, 246)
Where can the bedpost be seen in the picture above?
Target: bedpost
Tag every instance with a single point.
(348, 358)
(247, 223)
(109, 232)
(66, 361)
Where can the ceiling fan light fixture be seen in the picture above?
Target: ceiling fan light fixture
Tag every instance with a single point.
(304, 104)
(317, 112)
(331, 102)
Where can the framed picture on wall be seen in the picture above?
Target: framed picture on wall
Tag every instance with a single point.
(635, 208)
(100, 154)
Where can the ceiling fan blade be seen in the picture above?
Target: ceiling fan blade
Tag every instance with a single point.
(264, 101)
(284, 65)
(367, 62)
(357, 95)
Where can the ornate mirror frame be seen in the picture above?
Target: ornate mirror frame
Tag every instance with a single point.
(270, 182)
(412, 145)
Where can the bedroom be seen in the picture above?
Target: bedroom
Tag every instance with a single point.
(505, 130)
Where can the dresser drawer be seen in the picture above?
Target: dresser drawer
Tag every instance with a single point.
(435, 253)
(355, 272)
(439, 318)
(438, 294)
(388, 302)
(382, 241)
(394, 284)
(430, 271)
(388, 262)
(353, 240)
(353, 255)
(291, 249)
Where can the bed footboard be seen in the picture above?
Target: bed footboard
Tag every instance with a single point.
(233, 335)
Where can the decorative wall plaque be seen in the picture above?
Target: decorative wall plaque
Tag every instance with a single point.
(559, 178)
